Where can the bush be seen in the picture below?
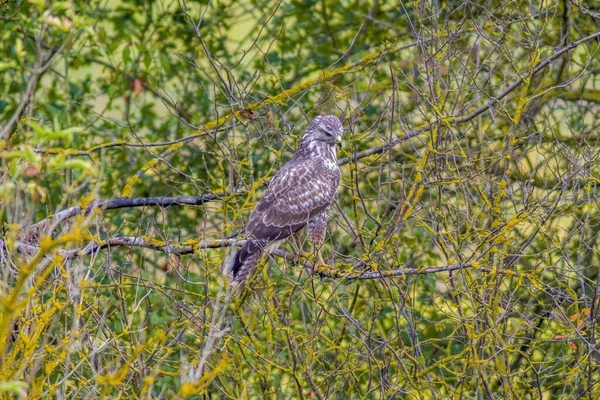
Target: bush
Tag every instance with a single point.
(136, 137)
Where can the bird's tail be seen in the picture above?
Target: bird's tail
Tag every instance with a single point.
(242, 264)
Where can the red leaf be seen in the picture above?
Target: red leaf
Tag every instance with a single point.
(137, 87)
(248, 114)
(31, 170)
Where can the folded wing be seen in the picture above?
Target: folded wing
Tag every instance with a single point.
(295, 196)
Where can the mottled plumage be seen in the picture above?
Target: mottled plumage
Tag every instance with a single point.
(299, 195)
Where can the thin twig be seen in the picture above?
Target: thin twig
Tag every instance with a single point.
(457, 118)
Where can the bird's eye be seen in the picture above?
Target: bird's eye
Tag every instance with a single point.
(326, 133)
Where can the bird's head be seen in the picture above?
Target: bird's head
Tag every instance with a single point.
(325, 128)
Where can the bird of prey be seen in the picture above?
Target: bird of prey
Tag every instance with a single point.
(298, 196)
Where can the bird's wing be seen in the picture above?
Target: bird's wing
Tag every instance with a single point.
(297, 193)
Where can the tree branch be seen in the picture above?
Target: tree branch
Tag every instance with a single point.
(133, 241)
(457, 118)
(193, 246)
(197, 200)
(122, 143)
(122, 202)
(38, 71)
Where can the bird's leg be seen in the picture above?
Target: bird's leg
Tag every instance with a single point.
(316, 231)
(320, 262)
(301, 255)
(320, 265)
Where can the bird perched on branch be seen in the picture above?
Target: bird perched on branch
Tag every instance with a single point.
(298, 196)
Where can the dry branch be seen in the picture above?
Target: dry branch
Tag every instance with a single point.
(190, 248)
(122, 202)
(457, 118)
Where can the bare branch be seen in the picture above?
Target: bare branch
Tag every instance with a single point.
(123, 202)
(457, 118)
(190, 248)
(42, 65)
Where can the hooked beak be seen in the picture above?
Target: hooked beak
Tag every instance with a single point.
(339, 141)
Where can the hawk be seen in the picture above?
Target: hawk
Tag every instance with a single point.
(298, 196)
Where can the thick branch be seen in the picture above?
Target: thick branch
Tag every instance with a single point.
(122, 202)
(337, 274)
(133, 241)
(189, 248)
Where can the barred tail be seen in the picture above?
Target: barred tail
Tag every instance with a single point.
(243, 263)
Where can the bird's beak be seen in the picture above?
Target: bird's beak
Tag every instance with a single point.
(339, 141)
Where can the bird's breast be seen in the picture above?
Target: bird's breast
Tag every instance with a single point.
(331, 164)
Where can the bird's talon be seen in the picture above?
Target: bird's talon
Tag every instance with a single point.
(320, 268)
(301, 257)
(322, 273)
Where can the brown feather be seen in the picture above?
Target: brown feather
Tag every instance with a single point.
(301, 191)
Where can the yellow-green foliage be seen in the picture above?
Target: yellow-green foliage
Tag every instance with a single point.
(462, 248)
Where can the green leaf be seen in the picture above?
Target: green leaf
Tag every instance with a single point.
(61, 6)
(15, 387)
(147, 60)
(6, 65)
(127, 54)
(38, 129)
